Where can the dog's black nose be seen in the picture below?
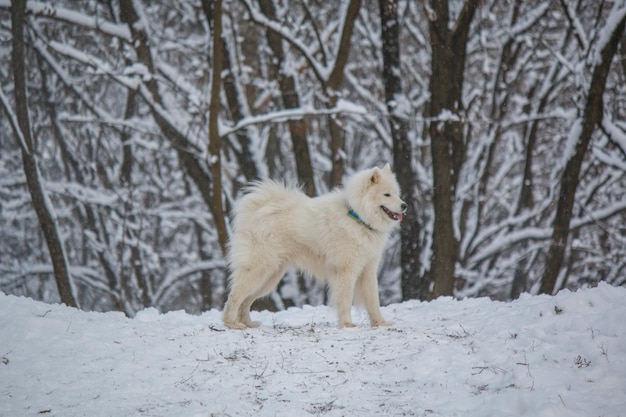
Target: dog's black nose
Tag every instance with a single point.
(403, 207)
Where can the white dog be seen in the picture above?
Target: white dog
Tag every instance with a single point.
(338, 238)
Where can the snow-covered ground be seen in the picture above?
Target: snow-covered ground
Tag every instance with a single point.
(538, 356)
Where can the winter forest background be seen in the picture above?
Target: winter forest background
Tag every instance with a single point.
(129, 128)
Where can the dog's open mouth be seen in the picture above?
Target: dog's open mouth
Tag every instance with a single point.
(392, 214)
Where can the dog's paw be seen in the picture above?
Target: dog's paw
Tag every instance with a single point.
(347, 325)
(252, 324)
(382, 323)
(237, 325)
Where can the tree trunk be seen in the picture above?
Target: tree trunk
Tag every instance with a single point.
(331, 87)
(74, 173)
(448, 43)
(337, 144)
(187, 152)
(244, 155)
(289, 95)
(215, 142)
(41, 203)
(584, 128)
(402, 151)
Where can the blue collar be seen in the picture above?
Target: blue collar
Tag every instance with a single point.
(358, 219)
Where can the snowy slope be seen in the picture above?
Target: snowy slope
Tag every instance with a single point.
(538, 356)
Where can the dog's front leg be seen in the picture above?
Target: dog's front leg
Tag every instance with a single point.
(367, 294)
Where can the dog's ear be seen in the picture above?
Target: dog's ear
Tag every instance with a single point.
(375, 178)
(387, 168)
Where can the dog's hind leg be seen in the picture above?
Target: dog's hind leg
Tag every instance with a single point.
(243, 285)
(245, 289)
(244, 312)
(232, 311)
(269, 283)
(341, 296)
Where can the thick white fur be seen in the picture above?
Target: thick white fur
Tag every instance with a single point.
(276, 227)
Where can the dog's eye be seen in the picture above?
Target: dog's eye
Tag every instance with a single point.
(387, 195)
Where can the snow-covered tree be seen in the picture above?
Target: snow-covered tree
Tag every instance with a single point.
(145, 127)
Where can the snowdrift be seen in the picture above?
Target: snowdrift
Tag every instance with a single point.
(538, 356)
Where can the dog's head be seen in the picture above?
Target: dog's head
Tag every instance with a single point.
(375, 195)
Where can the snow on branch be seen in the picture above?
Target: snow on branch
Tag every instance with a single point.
(135, 124)
(494, 232)
(531, 18)
(342, 106)
(67, 79)
(101, 67)
(579, 30)
(170, 282)
(321, 72)
(573, 137)
(86, 275)
(47, 10)
(14, 124)
(609, 158)
(615, 17)
(83, 193)
(189, 90)
(543, 233)
(616, 134)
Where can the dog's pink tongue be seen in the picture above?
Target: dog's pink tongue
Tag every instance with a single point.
(399, 216)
